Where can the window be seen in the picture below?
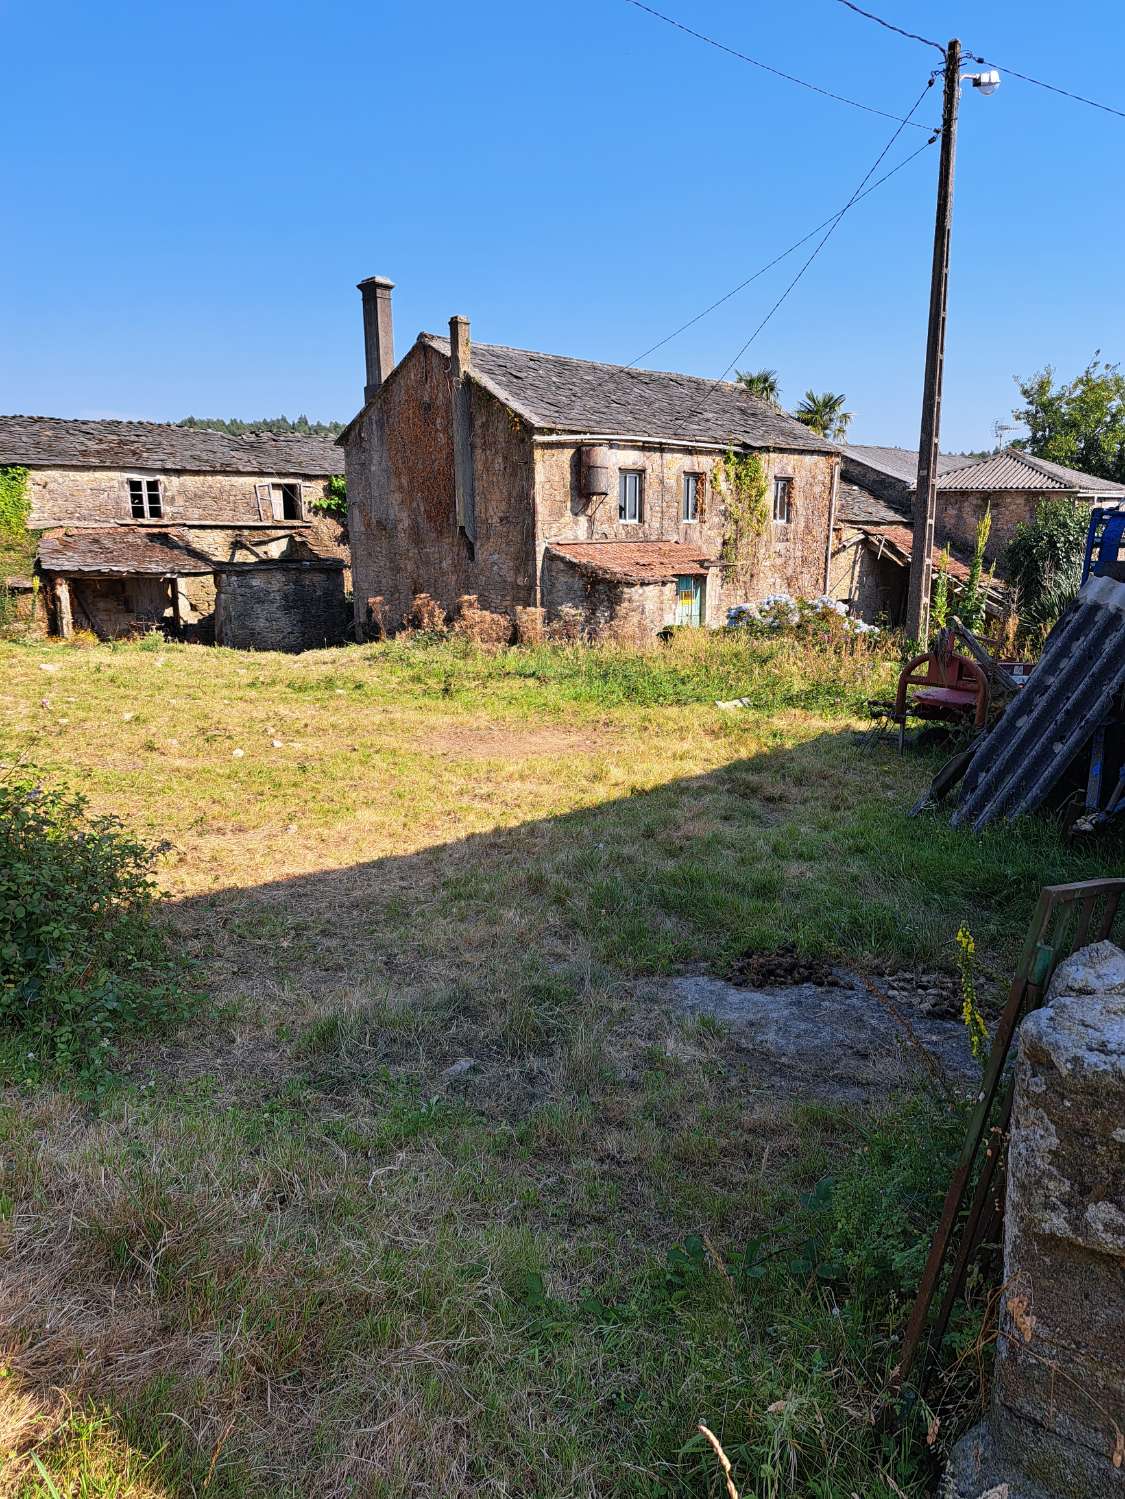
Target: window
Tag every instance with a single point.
(690, 508)
(286, 501)
(783, 501)
(630, 498)
(145, 500)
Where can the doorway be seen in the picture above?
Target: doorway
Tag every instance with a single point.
(689, 601)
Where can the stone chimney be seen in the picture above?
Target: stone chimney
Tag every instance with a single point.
(378, 331)
(460, 362)
(460, 346)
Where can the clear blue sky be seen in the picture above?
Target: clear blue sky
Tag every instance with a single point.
(192, 193)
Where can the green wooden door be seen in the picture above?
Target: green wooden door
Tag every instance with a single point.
(689, 601)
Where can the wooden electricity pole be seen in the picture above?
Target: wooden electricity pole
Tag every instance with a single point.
(925, 496)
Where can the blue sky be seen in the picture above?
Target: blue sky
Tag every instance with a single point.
(193, 191)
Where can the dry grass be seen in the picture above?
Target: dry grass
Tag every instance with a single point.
(290, 1256)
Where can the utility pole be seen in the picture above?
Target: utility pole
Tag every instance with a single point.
(925, 490)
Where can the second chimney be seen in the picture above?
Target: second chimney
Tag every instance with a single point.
(378, 331)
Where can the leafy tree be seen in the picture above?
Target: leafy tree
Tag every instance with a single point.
(1080, 423)
(824, 414)
(298, 426)
(761, 383)
(1043, 560)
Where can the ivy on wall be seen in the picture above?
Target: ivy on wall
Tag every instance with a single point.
(334, 501)
(740, 479)
(17, 544)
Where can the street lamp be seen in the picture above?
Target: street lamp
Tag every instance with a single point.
(987, 82)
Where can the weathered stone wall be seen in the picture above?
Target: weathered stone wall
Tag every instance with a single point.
(959, 513)
(789, 558)
(402, 520)
(874, 587)
(79, 497)
(1058, 1408)
(283, 606)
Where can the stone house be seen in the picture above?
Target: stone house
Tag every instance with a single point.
(538, 480)
(204, 535)
(873, 538)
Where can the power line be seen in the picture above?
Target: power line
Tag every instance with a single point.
(1054, 89)
(820, 246)
(769, 265)
(913, 35)
(765, 66)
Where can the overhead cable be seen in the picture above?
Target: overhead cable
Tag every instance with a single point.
(820, 246)
(766, 67)
(769, 265)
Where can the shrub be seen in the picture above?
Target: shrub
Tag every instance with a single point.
(529, 626)
(334, 501)
(1043, 561)
(426, 615)
(481, 626)
(81, 960)
(823, 619)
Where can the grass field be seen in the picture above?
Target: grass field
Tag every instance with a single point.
(287, 1255)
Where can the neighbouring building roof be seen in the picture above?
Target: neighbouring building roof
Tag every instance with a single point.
(133, 551)
(633, 561)
(900, 463)
(557, 394)
(51, 441)
(1012, 468)
(898, 543)
(856, 505)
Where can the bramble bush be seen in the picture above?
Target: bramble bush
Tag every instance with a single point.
(82, 962)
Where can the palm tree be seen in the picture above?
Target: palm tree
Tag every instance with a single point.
(761, 383)
(824, 414)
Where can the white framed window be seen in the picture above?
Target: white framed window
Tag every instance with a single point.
(630, 496)
(783, 501)
(689, 509)
(146, 499)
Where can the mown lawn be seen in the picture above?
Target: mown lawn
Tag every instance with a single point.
(286, 1254)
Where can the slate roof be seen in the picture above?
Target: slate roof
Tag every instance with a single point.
(901, 463)
(633, 561)
(161, 552)
(859, 506)
(1012, 468)
(555, 393)
(51, 441)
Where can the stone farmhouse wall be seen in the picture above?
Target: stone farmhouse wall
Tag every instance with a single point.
(283, 606)
(83, 496)
(958, 513)
(789, 558)
(402, 516)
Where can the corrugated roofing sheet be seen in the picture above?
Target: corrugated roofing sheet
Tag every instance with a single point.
(1011, 468)
(1074, 684)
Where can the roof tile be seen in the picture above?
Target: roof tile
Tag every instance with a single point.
(49, 441)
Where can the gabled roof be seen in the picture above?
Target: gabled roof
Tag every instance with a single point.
(555, 393)
(900, 463)
(52, 441)
(1012, 468)
(633, 561)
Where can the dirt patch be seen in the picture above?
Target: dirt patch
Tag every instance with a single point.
(778, 969)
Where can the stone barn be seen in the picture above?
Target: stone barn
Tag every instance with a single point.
(874, 517)
(537, 480)
(147, 526)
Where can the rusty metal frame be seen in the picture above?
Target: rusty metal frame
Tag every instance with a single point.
(1066, 918)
